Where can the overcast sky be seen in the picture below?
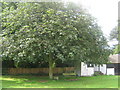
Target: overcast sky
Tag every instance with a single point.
(106, 12)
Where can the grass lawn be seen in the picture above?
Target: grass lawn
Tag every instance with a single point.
(63, 82)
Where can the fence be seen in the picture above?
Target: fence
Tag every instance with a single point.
(57, 70)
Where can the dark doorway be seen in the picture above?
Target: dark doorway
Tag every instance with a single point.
(117, 68)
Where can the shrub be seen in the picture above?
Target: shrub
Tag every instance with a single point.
(97, 73)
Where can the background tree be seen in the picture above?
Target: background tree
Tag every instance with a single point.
(115, 35)
(50, 31)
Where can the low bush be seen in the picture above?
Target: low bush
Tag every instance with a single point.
(97, 73)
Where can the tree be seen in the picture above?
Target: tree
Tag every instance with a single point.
(115, 35)
(49, 31)
(116, 50)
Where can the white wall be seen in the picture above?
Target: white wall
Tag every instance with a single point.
(89, 71)
(86, 71)
(102, 68)
(83, 69)
(110, 71)
(96, 68)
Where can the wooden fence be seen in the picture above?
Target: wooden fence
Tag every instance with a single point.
(57, 70)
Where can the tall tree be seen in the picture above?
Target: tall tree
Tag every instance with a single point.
(115, 35)
(49, 31)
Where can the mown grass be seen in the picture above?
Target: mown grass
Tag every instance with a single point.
(28, 81)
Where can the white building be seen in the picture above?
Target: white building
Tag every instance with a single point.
(106, 69)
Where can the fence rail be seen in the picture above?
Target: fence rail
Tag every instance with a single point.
(57, 70)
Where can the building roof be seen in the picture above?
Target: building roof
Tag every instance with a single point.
(115, 58)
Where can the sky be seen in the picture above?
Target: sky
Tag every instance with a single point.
(105, 11)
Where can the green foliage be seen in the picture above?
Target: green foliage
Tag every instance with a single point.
(115, 34)
(97, 73)
(46, 30)
(117, 49)
(8, 64)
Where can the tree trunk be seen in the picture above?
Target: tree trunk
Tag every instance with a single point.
(51, 67)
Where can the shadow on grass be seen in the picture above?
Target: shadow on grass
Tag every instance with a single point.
(63, 82)
(24, 82)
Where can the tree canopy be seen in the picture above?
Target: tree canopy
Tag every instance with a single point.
(115, 35)
(51, 31)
